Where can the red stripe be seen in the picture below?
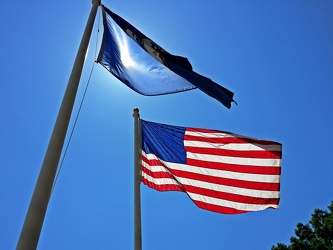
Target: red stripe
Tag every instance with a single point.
(235, 167)
(220, 209)
(157, 174)
(223, 166)
(202, 130)
(162, 188)
(235, 153)
(225, 140)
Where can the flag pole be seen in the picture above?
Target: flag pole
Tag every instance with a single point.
(36, 212)
(137, 180)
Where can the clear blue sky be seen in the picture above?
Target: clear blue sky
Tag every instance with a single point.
(276, 56)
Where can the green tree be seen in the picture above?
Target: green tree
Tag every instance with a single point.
(315, 235)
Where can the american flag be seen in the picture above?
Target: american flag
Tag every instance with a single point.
(220, 171)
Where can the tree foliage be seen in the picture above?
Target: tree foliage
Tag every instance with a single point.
(315, 235)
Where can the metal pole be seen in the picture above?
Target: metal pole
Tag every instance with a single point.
(137, 181)
(36, 212)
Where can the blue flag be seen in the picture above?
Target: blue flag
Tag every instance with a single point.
(146, 67)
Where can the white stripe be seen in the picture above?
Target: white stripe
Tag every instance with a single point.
(231, 204)
(235, 160)
(233, 146)
(218, 135)
(213, 172)
(160, 181)
(155, 168)
(210, 134)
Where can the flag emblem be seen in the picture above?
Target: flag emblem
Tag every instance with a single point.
(146, 67)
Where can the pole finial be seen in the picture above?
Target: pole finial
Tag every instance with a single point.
(98, 1)
(135, 112)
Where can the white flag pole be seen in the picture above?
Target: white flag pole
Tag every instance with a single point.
(137, 180)
(36, 212)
